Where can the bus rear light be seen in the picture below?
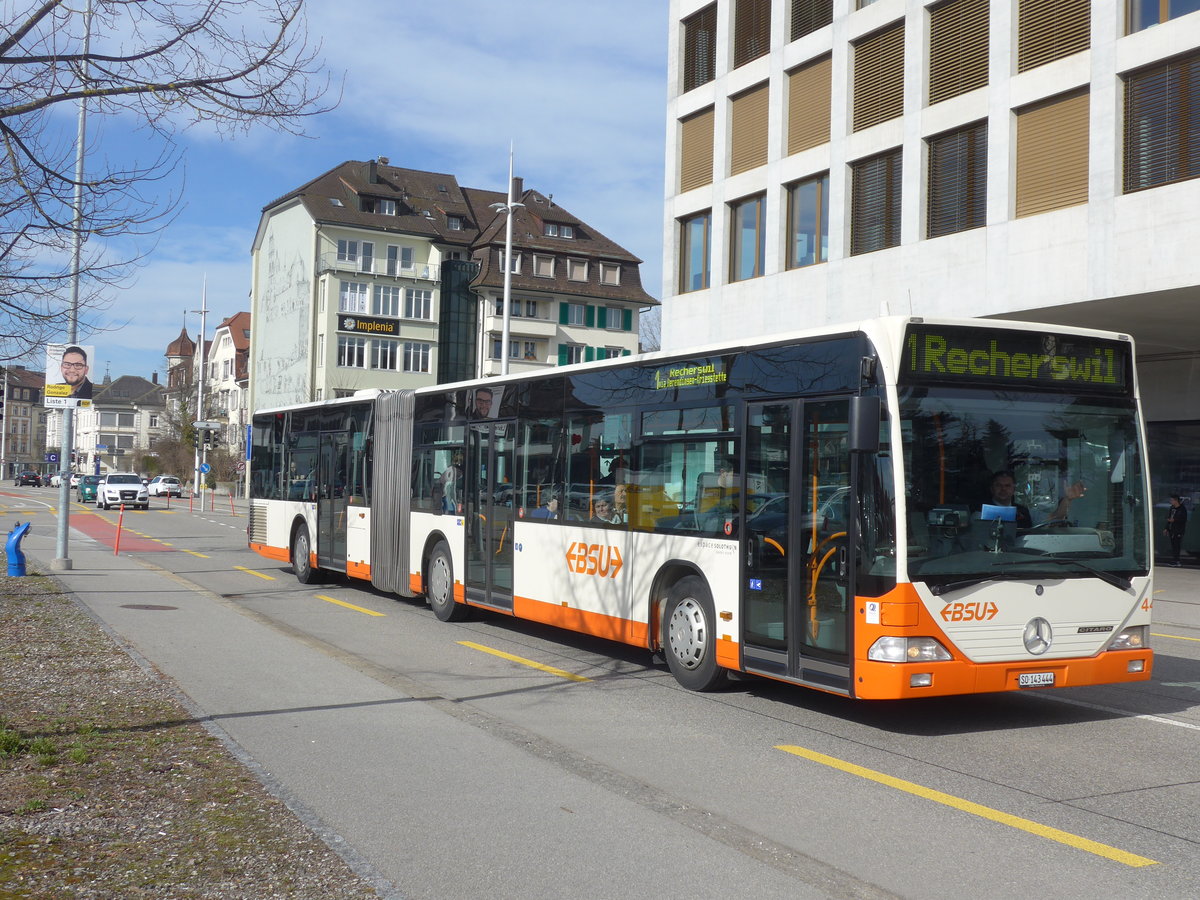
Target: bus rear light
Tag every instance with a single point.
(902, 649)
(1130, 639)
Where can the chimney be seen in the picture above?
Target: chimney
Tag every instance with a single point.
(518, 186)
(373, 172)
(154, 378)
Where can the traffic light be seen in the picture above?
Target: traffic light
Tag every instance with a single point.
(206, 438)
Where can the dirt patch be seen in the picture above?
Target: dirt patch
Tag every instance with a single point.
(109, 788)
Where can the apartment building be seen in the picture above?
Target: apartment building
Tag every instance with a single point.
(829, 160)
(23, 420)
(227, 384)
(124, 422)
(374, 276)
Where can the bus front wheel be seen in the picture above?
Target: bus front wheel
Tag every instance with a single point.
(440, 589)
(689, 636)
(302, 565)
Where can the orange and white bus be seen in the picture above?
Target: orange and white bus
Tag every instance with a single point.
(895, 508)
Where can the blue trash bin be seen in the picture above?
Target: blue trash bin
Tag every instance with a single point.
(16, 557)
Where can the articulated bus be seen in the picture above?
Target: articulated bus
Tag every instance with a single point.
(895, 508)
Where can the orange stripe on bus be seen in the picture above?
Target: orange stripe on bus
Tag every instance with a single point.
(358, 570)
(596, 624)
(727, 653)
(414, 583)
(279, 553)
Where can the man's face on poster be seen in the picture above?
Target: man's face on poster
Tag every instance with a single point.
(74, 368)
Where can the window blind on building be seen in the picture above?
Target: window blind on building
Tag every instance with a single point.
(1051, 29)
(958, 48)
(875, 203)
(957, 198)
(810, 15)
(879, 77)
(748, 127)
(1052, 155)
(809, 103)
(751, 30)
(700, 48)
(696, 150)
(1162, 108)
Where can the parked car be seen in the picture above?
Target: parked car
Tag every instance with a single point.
(28, 477)
(165, 485)
(117, 488)
(75, 476)
(87, 488)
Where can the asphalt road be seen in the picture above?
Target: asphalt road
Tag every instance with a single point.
(496, 758)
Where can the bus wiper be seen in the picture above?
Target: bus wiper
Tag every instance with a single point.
(1124, 584)
(963, 583)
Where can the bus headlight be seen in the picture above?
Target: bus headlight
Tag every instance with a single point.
(1130, 639)
(906, 649)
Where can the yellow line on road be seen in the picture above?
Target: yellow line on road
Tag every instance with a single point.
(1174, 637)
(1053, 834)
(194, 553)
(368, 612)
(570, 676)
(251, 572)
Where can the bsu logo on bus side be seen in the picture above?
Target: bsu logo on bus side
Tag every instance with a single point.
(601, 560)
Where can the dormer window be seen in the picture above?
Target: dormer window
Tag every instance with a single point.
(383, 206)
(454, 223)
(610, 273)
(560, 230)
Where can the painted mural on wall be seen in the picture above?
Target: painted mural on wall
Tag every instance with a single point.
(282, 366)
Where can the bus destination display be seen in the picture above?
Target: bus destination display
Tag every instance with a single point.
(983, 356)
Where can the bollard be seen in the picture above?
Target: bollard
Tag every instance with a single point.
(16, 557)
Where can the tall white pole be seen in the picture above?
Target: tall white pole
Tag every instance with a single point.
(4, 430)
(61, 560)
(200, 383)
(508, 228)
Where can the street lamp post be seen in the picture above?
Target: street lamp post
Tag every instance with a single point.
(203, 310)
(62, 561)
(509, 208)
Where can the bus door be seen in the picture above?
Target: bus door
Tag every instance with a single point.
(331, 490)
(796, 588)
(487, 507)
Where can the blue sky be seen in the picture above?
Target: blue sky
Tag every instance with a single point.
(578, 87)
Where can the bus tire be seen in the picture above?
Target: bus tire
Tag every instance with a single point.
(689, 635)
(440, 586)
(306, 572)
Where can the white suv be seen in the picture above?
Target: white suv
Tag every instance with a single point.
(117, 488)
(165, 484)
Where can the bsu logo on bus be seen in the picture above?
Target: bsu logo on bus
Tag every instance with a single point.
(601, 560)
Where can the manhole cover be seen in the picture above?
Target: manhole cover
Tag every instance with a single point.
(145, 606)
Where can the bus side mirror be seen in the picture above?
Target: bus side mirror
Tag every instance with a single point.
(864, 424)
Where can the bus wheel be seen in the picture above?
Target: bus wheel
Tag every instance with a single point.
(440, 586)
(302, 558)
(690, 638)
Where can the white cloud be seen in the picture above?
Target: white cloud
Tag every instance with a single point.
(578, 87)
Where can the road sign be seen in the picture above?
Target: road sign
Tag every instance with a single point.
(51, 457)
(102, 446)
(240, 465)
(205, 468)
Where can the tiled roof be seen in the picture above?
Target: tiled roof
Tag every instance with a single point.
(128, 390)
(425, 202)
(182, 346)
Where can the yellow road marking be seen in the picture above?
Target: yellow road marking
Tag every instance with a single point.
(202, 555)
(369, 612)
(1174, 637)
(251, 572)
(1053, 834)
(570, 676)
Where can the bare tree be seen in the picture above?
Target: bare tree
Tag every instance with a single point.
(650, 328)
(159, 65)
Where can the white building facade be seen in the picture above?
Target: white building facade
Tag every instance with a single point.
(1028, 159)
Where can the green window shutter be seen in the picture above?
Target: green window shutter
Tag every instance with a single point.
(626, 353)
(602, 317)
(627, 320)
(589, 354)
(590, 316)
(562, 354)
(564, 313)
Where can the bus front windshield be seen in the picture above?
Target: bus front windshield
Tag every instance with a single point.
(1013, 484)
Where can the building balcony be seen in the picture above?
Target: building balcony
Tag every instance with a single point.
(520, 326)
(376, 266)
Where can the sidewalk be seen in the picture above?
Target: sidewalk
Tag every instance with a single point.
(1177, 596)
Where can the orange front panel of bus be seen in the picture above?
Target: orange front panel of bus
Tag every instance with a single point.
(902, 613)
